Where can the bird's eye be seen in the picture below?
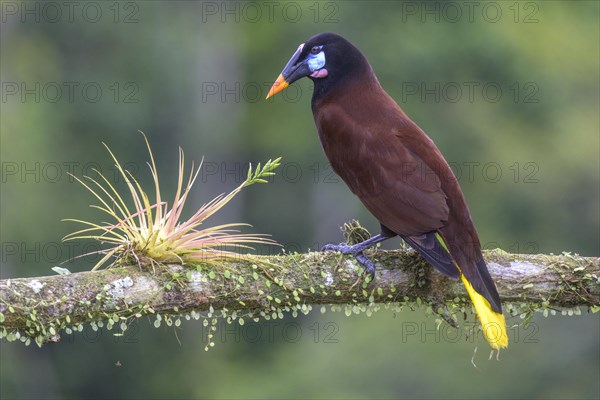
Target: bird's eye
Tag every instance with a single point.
(315, 50)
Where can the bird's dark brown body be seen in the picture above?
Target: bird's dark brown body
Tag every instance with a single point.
(394, 168)
(384, 158)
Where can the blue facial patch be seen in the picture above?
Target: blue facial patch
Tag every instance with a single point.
(316, 61)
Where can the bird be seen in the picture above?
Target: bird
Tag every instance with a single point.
(394, 168)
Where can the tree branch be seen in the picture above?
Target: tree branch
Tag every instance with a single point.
(38, 308)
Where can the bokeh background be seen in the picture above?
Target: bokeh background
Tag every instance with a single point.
(509, 91)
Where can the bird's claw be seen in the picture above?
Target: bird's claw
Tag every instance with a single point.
(369, 267)
(357, 252)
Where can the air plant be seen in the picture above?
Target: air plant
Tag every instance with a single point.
(154, 230)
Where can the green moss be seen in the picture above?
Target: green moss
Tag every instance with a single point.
(290, 287)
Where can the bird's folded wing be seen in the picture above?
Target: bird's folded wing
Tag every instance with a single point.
(399, 188)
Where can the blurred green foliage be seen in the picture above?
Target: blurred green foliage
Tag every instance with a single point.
(195, 74)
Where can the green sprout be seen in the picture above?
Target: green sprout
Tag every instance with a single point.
(154, 230)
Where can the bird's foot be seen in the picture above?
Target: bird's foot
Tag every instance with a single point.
(357, 251)
(342, 248)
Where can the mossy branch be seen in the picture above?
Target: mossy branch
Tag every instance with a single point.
(37, 309)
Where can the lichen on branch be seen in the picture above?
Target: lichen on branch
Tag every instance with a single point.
(261, 287)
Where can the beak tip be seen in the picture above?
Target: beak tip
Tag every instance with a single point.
(277, 87)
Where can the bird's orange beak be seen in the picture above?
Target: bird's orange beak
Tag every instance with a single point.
(293, 71)
(278, 86)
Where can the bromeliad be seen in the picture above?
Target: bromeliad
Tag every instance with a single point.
(155, 230)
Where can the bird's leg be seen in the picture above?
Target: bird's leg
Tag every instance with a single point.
(357, 250)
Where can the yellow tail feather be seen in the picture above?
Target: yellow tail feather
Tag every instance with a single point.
(492, 323)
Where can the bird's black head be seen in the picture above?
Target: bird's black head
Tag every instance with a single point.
(327, 59)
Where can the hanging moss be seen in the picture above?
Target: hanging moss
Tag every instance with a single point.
(254, 288)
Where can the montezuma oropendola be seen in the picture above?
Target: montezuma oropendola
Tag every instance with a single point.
(394, 168)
